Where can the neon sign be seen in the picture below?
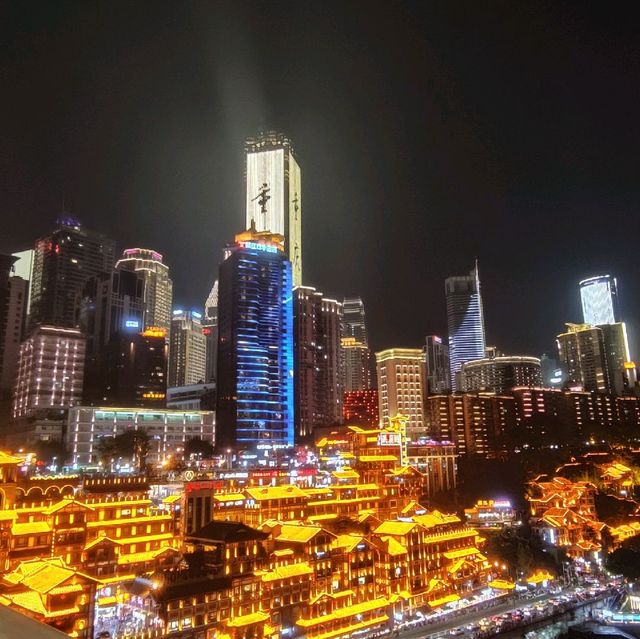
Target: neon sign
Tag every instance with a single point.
(254, 246)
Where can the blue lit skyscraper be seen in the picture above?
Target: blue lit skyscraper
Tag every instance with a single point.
(465, 321)
(599, 297)
(255, 344)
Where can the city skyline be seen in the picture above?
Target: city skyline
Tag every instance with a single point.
(187, 163)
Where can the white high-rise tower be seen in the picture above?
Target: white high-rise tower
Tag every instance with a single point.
(274, 198)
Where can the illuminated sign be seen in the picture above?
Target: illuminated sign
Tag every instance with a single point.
(132, 324)
(154, 331)
(388, 439)
(206, 331)
(153, 395)
(178, 311)
(196, 314)
(629, 365)
(266, 167)
(254, 246)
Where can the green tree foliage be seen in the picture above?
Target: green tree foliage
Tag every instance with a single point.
(132, 445)
(626, 559)
(198, 447)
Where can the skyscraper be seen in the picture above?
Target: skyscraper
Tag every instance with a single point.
(158, 287)
(401, 385)
(616, 348)
(318, 379)
(64, 259)
(582, 354)
(13, 300)
(188, 351)
(356, 362)
(274, 195)
(23, 268)
(437, 360)
(50, 370)
(357, 359)
(134, 371)
(353, 320)
(255, 403)
(110, 315)
(465, 320)
(599, 297)
(210, 331)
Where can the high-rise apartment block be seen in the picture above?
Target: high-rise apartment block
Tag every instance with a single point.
(500, 374)
(401, 384)
(255, 403)
(50, 370)
(361, 408)
(599, 297)
(582, 354)
(465, 320)
(318, 379)
(64, 259)
(188, 350)
(158, 287)
(474, 422)
(617, 356)
(274, 193)
(23, 267)
(437, 360)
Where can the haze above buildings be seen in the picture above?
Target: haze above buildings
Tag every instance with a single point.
(462, 162)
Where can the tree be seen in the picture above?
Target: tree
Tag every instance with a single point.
(198, 447)
(132, 445)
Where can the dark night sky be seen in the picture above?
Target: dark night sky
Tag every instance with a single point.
(427, 134)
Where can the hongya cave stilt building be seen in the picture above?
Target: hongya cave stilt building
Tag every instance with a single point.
(354, 552)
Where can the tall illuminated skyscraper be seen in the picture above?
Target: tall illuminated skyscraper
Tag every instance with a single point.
(356, 356)
(437, 358)
(210, 331)
(599, 297)
(255, 383)
(465, 320)
(158, 287)
(274, 196)
(318, 379)
(188, 350)
(63, 261)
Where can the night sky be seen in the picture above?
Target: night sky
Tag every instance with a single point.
(427, 134)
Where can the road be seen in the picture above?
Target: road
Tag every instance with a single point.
(438, 629)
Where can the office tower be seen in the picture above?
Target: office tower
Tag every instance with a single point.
(63, 260)
(356, 362)
(50, 370)
(23, 267)
(274, 195)
(361, 408)
(210, 331)
(133, 371)
(437, 360)
(255, 404)
(13, 297)
(158, 287)
(111, 304)
(465, 320)
(582, 354)
(401, 384)
(354, 320)
(317, 365)
(188, 351)
(500, 374)
(357, 359)
(617, 356)
(599, 297)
